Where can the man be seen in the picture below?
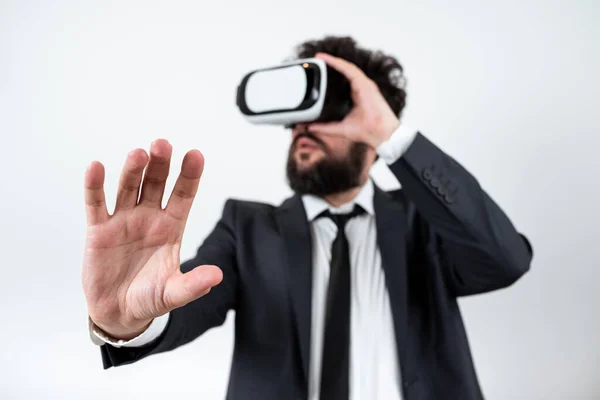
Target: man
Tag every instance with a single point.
(343, 291)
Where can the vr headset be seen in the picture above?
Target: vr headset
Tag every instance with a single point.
(294, 92)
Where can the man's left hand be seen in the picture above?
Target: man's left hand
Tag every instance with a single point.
(371, 120)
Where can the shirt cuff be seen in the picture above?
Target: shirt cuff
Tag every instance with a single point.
(155, 329)
(392, 149)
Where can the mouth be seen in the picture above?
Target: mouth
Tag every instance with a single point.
(305, 143)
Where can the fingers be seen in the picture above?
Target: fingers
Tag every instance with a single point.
(152, 186)
(95, 201)
(186, 187)
(157, 172)
(184, 288)
(354, 74)
(131, 179)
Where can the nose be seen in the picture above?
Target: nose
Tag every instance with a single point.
(299, 128)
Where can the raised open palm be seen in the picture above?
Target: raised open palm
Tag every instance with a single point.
(131, 263)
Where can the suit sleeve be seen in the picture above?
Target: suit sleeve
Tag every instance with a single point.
(478, 246)
(190, 321)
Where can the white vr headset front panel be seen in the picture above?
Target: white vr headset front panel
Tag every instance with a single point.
(282, 88)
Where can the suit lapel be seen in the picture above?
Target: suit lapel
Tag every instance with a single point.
(295, 230)
(391, 238)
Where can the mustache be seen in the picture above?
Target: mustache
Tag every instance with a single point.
(312, 137)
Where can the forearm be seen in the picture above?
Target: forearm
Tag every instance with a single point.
(485, 250)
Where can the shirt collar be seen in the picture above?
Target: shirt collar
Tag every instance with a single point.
(315, 205)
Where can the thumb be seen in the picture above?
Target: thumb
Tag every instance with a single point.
(184, 288)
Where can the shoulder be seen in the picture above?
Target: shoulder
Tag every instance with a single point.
(241, 209)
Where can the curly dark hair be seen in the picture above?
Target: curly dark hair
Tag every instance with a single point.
(384, 69)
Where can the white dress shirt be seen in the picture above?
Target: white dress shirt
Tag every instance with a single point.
(374, 368)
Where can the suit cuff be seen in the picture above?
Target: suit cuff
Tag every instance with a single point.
(155, 329)
(392, 149)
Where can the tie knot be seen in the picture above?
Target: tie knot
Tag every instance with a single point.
(341, 219)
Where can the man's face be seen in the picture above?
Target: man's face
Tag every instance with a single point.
(324, 164)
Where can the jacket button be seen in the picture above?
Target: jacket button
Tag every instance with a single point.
(449, 199)
(427, 175)
(441, 190)
(435, 183)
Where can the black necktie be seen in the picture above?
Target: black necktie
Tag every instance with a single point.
(335, 367)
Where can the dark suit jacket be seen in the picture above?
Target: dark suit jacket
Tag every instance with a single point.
(441, 236)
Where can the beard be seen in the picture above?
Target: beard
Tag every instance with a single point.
(328, 175)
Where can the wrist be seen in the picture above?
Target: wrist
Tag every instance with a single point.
(119, 332)
(377, 140)
(385, 132)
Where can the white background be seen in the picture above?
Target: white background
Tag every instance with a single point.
(509, 88)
